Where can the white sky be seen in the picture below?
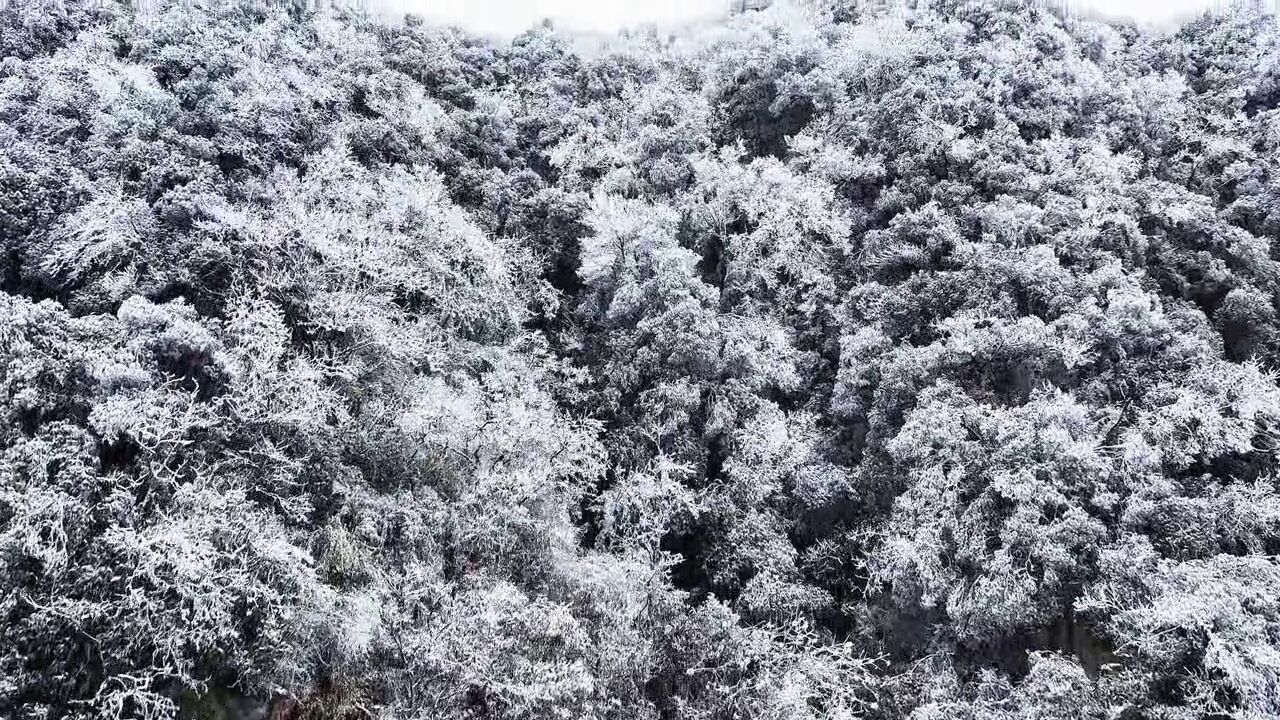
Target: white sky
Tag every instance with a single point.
(1156, 11)
(508, 17)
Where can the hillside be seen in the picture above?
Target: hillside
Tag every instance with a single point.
(814, 364)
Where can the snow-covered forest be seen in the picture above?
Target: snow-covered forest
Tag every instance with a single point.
(812, 364)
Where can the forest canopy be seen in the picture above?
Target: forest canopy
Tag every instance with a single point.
(819, 363)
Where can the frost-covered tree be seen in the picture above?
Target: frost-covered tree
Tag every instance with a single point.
(818, 363)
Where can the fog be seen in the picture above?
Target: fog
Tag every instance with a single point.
(508, 17)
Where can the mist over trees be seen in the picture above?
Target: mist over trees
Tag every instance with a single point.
(817, 364)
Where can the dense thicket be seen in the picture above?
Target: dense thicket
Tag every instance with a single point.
(808, 365)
